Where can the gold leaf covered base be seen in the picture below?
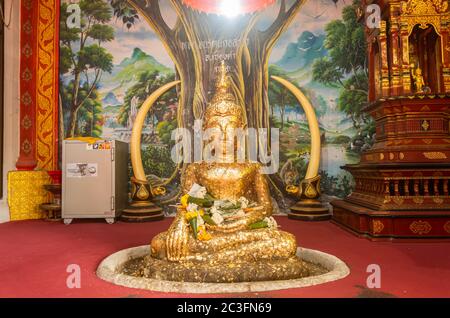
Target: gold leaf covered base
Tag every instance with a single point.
(262, 270)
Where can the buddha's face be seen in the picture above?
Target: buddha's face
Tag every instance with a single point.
(226, 126)
(224, 123)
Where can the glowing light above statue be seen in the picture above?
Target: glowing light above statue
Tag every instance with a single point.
(228, 8)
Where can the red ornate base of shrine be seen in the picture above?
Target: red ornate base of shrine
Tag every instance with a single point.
(391, 225)
(402, 183)
(397, 201)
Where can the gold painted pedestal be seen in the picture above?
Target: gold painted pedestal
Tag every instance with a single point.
(53, 207)
(141, 209)
(309, 208)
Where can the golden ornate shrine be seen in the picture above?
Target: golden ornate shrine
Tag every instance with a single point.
(412, 34)
(402, 182)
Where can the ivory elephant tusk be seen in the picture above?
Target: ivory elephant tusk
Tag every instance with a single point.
(313, 165)
(135, 143)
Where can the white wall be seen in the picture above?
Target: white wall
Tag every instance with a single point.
(11, 99)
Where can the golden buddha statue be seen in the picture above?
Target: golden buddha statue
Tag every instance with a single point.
(235, 252)
(419, 81)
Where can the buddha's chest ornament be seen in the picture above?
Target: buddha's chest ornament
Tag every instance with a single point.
(222, 179)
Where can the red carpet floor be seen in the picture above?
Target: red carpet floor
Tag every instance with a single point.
(34, 256)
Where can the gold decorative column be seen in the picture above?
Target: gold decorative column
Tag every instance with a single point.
(385, 83)
(446, 57)
(406, 72)
(396, 84)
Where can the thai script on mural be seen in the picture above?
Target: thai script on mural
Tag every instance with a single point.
(215, 44)
(219, 57)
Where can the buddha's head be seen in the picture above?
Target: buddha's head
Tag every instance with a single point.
(223, 114)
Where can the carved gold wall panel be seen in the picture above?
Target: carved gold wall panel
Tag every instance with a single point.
(46, 84)
(26, 193)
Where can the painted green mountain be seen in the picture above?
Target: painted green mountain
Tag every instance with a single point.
(139, 62)
(114, 85)
(302, 53)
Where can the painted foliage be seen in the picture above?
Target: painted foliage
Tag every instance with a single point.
(112, 60)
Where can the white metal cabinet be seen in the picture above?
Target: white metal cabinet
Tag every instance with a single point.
(94, 180)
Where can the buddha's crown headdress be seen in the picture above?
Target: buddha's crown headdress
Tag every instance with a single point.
(223, 102)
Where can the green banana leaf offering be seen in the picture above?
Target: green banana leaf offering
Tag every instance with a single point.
(259, 225)
(208, 220)
(207, 202)
(193, 223)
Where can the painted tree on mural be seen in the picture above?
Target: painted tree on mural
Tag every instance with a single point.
(193, 44)
(147, 83)
(247, 58)
(90, 117)
(83, 60)
(346, 65)
(279, 96)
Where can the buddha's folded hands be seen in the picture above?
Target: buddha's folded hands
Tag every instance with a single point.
(238, 224)
(230, 226)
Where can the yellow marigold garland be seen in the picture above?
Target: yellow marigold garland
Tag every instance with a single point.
(184, 200)
(202, 235)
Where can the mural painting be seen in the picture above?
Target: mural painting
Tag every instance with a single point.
(113, 59)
